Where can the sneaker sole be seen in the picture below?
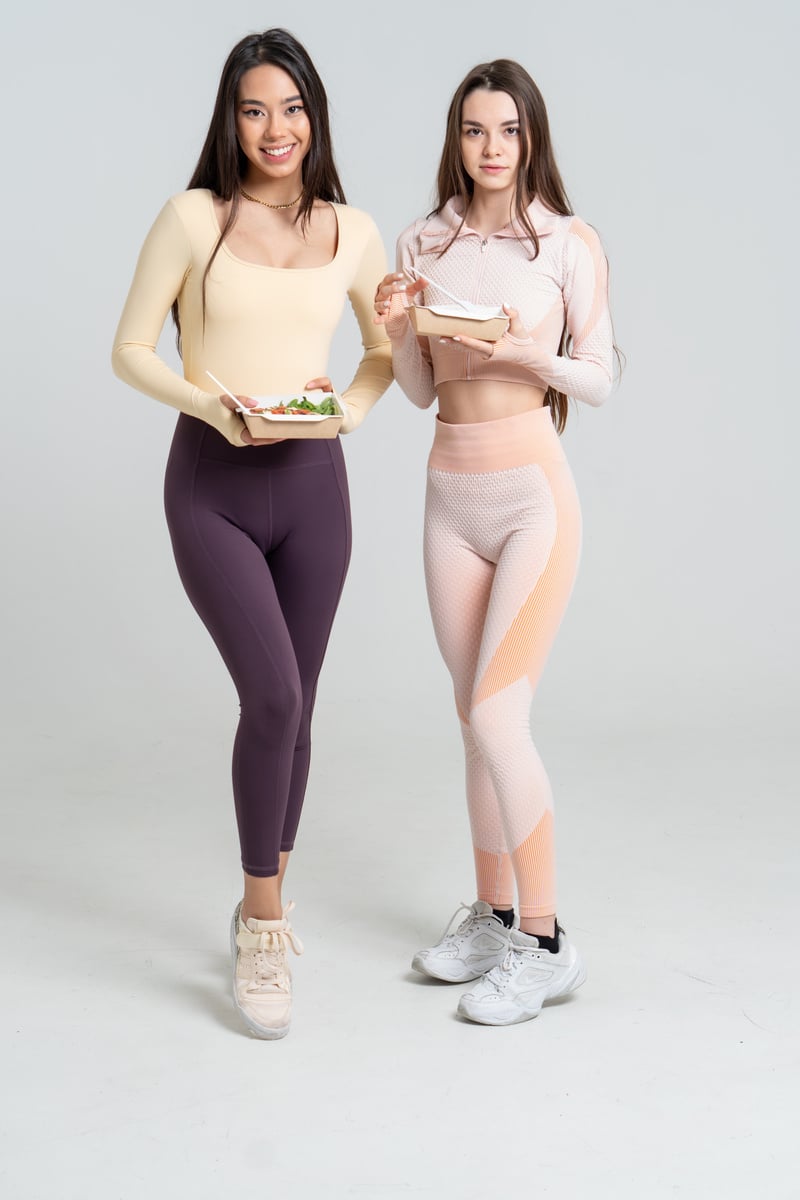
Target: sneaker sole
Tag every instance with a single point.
(513, 1014)
(419, 963)
(265, 1032)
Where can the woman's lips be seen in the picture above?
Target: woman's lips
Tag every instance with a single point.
(277, 153)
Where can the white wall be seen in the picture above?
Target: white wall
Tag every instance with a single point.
(675, 135)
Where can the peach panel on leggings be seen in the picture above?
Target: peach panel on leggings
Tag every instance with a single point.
(532, 629)
(495, 876)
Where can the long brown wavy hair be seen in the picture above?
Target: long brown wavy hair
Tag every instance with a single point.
(537, 173)
(222, 165)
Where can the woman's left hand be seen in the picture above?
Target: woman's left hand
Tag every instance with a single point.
(486, 349)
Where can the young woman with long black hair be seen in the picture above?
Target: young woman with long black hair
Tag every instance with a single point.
(502, 520)
(256, 259)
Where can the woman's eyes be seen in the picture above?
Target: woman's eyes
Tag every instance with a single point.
(474, 131)
(291, 111)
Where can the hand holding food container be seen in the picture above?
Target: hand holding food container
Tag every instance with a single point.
(475, 327)
(274, 418)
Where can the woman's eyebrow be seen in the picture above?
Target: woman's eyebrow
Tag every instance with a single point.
(262, 104)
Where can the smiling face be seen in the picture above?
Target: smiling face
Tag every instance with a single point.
(272, 126)
(490, 139)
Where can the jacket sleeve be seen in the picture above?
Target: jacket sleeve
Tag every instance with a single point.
(163, 264)
(411, 355)
(374, 372)
(587, 374)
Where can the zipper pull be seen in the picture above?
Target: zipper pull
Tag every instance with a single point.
(484, 244)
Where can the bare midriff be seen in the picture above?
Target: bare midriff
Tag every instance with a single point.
(467, 402)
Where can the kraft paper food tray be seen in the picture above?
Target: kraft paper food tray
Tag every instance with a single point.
(441, 321)
(272, 425)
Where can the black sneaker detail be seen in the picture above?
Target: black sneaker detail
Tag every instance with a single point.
(506, 915)
(545, 943)
(548, 943)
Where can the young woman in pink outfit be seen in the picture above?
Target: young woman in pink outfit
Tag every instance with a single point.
(502, 519)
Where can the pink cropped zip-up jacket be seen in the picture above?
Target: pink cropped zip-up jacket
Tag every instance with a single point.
(565, 285)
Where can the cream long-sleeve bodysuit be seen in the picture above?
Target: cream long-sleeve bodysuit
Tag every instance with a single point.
(267, 330)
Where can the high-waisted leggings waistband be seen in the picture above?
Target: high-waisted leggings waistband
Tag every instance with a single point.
(496, 445)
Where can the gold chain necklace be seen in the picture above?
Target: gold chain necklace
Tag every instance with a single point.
(266, 203)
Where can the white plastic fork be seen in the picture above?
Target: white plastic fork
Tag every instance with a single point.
(465, 304)
(239, 406)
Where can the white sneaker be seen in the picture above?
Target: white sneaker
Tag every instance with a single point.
(262, 981)
(479, 943)
(517, 988)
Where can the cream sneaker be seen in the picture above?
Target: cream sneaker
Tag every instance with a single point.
(262, 981)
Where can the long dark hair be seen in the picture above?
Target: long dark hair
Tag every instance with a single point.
(222, 165)
(537, 173)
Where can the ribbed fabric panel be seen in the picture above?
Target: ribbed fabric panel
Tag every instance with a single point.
(485, 817)
(550, 327)
(597, 298)
(501, 729)
(495, 876)
(491, 446)
(534, 868)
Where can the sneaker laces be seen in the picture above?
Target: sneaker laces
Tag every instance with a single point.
(270, 969)
(499, 975)
(269, 964)
(464, 928)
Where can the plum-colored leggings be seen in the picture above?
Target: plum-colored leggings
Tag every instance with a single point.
(261, 536)
(502, 543)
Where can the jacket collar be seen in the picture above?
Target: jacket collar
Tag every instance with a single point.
(439, 228)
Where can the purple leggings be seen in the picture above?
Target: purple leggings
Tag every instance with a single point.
(261, 536)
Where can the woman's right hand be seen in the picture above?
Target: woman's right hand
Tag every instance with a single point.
(392, 285)
(247, 402)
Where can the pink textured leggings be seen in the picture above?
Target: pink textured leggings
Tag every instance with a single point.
(502, 543)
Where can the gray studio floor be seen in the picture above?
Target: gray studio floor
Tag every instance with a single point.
(672, 1073)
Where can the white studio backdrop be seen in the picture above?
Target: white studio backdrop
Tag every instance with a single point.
(674, 131)
(665, 716)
